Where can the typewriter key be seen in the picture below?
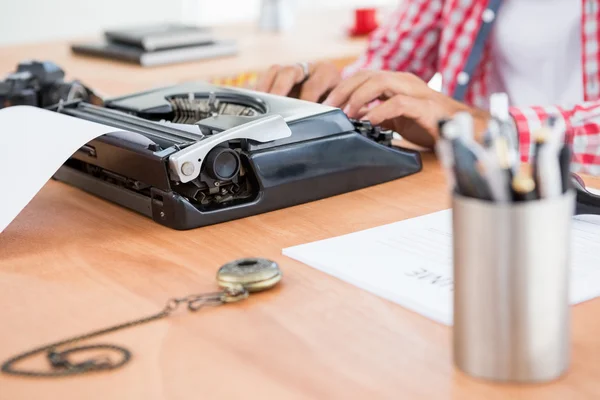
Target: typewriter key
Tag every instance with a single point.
(254, 274)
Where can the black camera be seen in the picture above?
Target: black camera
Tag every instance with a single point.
(40, 84)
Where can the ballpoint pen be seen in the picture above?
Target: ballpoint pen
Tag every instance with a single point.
(564, 159)
(496, 177)
(563, 151)
(464, 122)
(548, 167)
(499, 106)
(469, 182)
(557, 132)
(444, 151)
(505, 166)
(500, 111)
(523, 187)
(492, 132)
(540, 138)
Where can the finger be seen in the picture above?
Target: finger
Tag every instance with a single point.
(360, 115)
(285, 80)
(416, 109)
(380, 86)
(407, 108)
(395, 107)
(323, 78)
(340, 95)
(266, 80)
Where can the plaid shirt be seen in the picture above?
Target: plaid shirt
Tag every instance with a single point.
(428, 36)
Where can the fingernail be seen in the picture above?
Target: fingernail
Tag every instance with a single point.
(346, 109)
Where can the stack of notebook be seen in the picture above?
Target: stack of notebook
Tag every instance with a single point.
(158, 45)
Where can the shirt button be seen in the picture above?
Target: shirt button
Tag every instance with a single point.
(488, 16)
(462, 78)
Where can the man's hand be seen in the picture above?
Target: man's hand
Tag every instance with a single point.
(280, 80)
(407, 105)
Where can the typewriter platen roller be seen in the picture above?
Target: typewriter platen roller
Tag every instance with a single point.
(197, 154)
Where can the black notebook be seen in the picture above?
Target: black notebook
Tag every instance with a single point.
(144, 58)
(160, 36)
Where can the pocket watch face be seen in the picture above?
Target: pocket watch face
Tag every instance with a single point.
(254, 274)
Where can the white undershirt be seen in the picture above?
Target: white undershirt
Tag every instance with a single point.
(536, 50)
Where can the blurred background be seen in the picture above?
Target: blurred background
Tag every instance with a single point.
(26, 21)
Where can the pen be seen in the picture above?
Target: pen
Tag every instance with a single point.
(523, 187)
(493, 172)
(448, 151)
(549, 173)
(491, 133)
(565, 167)
(511, 145)
(444, 151)
(549, 164)
(500, 111)
(468, 179)
(540, 138)
(499, 106)
(563, 150)
(467, 174)
(464, 122)
(557, 134)
(504, 164)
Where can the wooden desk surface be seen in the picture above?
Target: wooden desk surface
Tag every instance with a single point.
(315, 37)
(71, 263)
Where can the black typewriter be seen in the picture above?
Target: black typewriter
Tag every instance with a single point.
(197, 154)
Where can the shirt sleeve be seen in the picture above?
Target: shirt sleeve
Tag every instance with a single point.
(582, 123)
(407, 41)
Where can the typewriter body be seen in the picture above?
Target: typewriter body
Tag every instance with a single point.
(197, 154)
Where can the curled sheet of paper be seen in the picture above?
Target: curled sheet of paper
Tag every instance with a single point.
(35, 143)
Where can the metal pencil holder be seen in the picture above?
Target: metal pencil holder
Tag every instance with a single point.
(511, 277)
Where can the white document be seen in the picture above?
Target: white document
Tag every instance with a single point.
(410, 262)
(35, 143)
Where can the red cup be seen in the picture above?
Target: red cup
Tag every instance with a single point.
(365, 21)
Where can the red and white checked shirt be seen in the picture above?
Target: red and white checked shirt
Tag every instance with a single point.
(428, 36)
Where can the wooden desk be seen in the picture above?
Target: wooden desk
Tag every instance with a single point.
(71, 263)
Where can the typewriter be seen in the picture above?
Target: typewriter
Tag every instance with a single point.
(198, 154)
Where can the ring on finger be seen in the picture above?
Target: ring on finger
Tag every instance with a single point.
(305, 70)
